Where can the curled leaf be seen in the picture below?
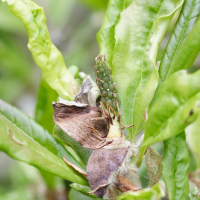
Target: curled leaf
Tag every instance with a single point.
(45, 54)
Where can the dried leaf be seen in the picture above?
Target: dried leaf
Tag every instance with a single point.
(153, 162)
(101, 164)
(80, 123)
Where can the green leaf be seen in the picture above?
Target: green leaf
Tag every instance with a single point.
(83, 153)
(169, 164)
(74, 195)
(74, 71)
(189, 50)
(83, 189)
(193, 139)
(105, 36)
(185, 23)
(137, 37)
(44, 109)
(176, 107)
(176, 164)
(154, 193)
(45, 54)
(25, 140)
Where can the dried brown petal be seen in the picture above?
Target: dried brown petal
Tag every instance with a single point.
(79, 122)
(101, 164)
(153, 162)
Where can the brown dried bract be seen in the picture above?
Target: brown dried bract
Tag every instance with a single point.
(101, 164)
(84, 124)
(124, 185)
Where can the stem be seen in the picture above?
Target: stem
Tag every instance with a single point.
(140, 155)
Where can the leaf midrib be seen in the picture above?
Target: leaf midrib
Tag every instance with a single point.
(155, 19)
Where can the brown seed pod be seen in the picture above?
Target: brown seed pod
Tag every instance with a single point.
(101, 164)
(80, 123)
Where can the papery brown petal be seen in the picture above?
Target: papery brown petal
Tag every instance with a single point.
(75, 121)
(101, 164)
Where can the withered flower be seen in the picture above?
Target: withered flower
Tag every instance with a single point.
(109, 169)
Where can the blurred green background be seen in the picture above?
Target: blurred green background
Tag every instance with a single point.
(73, 25)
